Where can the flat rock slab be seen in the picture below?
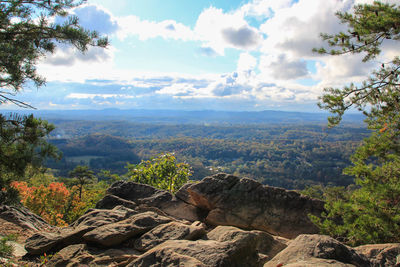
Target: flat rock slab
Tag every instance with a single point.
(82, 255)
(115, 233)
(99, 217)
(43, 242)
(24, 218)
(169, 231)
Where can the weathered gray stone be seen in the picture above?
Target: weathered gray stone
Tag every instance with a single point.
(140, 194)
(201, 253)
(42, 242)
(115, 233)
(82, 255)
(381, 255)
(315, 262)
(247, 204)
(169, 231)
(24, 218)
(265, 243)
(318, 248)
(99, 217)
(111, 201)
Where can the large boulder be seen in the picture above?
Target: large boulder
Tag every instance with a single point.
(317, 250)
(115, 233)
(43, 242)
(130, 194)
(99, 217)
(381, 255)
(265, 243)
(24, 218)
(169, 231)
(83, 255)
(245, 203)
(200, 253)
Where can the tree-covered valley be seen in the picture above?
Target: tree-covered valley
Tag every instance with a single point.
(285, 155)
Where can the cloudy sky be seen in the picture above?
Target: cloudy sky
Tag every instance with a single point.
(203, 54)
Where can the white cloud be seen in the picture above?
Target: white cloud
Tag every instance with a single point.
(279, 67)
(273, 55)
(68, 56)
(295, 30)
(263, 8)
(94, 17)
(178, 89)
(144, 29)
(219, 30)
(246, 62)
(339, 70)
(92, 96)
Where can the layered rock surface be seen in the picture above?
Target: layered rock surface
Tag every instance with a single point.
(245, 203)
(221, 221)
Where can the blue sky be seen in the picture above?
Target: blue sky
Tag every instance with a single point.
(203, 54)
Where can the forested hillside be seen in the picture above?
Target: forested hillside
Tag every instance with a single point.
(290, 156)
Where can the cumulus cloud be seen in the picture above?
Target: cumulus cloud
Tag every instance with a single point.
(263, 8)
(219, 30)
(281, 68)
(68, 56)
(178, 90)
(95, 18)
(92, 96)
(272, 56)
(295, 30)
(91, 17)
(144, 29)
(243, 37)
(246, 62)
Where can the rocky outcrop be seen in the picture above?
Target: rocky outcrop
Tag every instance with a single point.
(200, 253)
(42, 242)
(221, 221)
(245, 203)
(317, 250)
(381, 254)
(169, 231)
(83, 255)
(265, 243)
(113, 234)
(24, 218)
(132, 194)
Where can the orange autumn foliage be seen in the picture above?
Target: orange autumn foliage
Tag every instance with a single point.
(54, 203)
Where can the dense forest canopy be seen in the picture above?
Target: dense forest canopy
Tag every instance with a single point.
(289, 156)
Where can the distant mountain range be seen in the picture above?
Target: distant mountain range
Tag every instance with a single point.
(191, 117)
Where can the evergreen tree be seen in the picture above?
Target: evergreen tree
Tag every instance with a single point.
(371, 213)
(22, 144)
(27, 33)
(82, 176)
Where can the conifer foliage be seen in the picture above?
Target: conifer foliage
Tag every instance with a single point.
(371, 213)
(27, 33)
